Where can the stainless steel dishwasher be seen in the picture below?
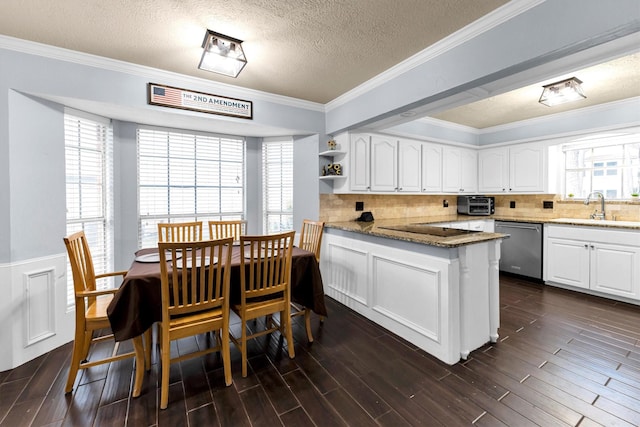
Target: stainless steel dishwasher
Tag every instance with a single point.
(521, 253)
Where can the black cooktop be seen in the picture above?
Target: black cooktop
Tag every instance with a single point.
(430, 230)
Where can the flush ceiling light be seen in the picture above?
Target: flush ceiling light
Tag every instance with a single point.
(222, 54)
(563, 91)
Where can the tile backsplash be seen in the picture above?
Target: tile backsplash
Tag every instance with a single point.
(341, 207)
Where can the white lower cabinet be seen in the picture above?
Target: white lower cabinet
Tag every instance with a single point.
(604, 260)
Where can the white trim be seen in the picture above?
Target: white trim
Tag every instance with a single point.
(153, 74)
(428, 138)
(42, 259)
(482, 25)
(449, 125)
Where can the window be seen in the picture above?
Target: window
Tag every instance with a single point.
(608, 164)
(187, 177)
(88, 157)
(277, 185)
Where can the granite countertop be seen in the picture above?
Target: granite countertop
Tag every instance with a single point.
(376, 228)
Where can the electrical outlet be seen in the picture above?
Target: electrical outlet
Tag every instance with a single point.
(445, 203)
(512, 204)
(547, 204)
(359, 206)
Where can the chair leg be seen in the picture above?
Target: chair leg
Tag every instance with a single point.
(285, 322)
(307, 323)
(226, 354)
(76, 358)
(165, 360)
(243, 348)
(138, 347)
(148, 347)
(88, 337)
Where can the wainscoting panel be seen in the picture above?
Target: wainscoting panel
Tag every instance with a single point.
(33, 309)
(39, 305)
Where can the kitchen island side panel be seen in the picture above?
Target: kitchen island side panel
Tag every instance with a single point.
(416, 291)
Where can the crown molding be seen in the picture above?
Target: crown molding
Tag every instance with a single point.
(483, 24)
(153, 74)
(449, 125)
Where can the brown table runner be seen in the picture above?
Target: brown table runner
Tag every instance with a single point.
(138, 302)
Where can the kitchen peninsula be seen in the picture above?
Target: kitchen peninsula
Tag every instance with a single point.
(436, 287)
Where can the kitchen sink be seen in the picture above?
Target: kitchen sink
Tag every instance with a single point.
(605, 222)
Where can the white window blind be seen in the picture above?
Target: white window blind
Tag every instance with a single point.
(187, 177)
(277, 182)
(89, 192)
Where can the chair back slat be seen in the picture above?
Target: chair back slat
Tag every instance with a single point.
(311, 236)
(195, 275)
(224, 229)
(265, 268)
(180, 231)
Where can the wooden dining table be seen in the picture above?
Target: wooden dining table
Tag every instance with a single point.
(138, 303)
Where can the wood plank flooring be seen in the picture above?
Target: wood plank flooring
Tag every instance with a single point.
(563, 359)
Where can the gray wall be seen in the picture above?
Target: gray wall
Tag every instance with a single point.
(33, 87)
(33, 92)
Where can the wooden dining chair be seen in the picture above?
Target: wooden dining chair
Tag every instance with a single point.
(91, 314)
(310, 240)
(195, 300)
(265, 277)
(222, 229)
(180, 231)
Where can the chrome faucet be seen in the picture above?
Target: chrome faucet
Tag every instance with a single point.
(597, 215)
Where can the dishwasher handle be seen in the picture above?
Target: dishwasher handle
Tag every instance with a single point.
(522, 227)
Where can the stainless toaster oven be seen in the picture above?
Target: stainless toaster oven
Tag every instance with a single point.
(476, 205)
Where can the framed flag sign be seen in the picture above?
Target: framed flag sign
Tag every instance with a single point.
(173, 97)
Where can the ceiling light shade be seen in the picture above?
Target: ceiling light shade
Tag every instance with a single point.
(563, 91)
(222, 54)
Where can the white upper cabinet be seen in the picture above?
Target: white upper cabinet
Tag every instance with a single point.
(431, 168)
(493, 170)
(359, 177)
(519, 168)
(409, 157)
(459, 170)
(384, 163)
(528, 168)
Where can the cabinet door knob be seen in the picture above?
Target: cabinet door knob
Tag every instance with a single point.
(586, 246)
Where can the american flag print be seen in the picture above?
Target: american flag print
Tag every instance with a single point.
(167, 96)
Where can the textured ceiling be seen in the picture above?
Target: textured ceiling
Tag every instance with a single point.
(313, 50)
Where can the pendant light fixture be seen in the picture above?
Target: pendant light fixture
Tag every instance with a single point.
(222, 54)
(563, 91)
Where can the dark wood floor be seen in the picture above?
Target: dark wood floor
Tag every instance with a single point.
(562, 359)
